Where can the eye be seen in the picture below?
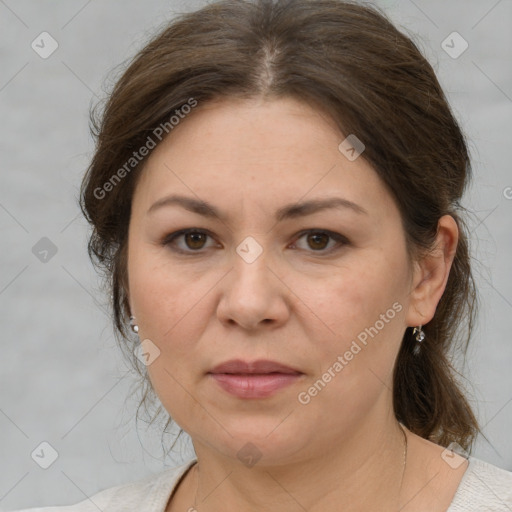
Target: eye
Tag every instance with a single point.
(318, 240)
(193, 238)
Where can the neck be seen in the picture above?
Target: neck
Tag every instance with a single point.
(364, 472)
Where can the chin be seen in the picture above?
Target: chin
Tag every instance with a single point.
(270, 441)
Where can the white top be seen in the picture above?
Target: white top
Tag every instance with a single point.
(483, 488)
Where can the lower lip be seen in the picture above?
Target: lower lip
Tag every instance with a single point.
(254, 386)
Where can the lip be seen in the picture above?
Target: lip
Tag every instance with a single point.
(257, 379)
(253, 385)
(261, 366)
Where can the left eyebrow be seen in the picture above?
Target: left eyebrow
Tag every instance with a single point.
(290, 211)
(296, 210)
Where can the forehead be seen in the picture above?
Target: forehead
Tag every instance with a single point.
(262, 151)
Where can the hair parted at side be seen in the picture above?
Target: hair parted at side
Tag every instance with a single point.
(349, 61)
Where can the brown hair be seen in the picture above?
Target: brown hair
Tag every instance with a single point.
(350, 61)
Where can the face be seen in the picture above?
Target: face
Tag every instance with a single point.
(324, 291)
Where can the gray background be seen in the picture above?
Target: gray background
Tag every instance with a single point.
(62, 378)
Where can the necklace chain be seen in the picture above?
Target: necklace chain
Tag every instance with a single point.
(401, 480)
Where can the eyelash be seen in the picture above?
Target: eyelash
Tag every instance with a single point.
(169, 239)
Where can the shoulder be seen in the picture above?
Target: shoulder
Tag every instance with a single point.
(483, 487)
(151, 493)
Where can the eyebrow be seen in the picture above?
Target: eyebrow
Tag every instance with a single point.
(290, 211)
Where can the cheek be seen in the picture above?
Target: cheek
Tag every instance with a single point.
(364, 310)
(352, 298)
(355, 361)
(163, 297)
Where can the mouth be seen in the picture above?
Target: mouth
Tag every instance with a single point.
(259, 367)
(258, 379)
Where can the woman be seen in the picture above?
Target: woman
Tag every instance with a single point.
(275, 197)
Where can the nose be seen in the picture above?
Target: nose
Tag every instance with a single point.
(253, 295)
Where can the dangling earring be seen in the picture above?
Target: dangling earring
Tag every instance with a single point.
(133, 325)
(420, 336)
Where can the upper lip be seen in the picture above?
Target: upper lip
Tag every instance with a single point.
(259, 366)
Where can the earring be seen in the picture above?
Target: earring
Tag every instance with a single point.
(133, 325)
(419, 334)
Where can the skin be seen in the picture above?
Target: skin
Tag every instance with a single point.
(300, 302)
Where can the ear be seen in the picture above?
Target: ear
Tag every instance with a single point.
(431, 274)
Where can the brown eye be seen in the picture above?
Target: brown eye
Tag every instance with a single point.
(188, 241)
(318, 241)
(321, 241)
(195, 240)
